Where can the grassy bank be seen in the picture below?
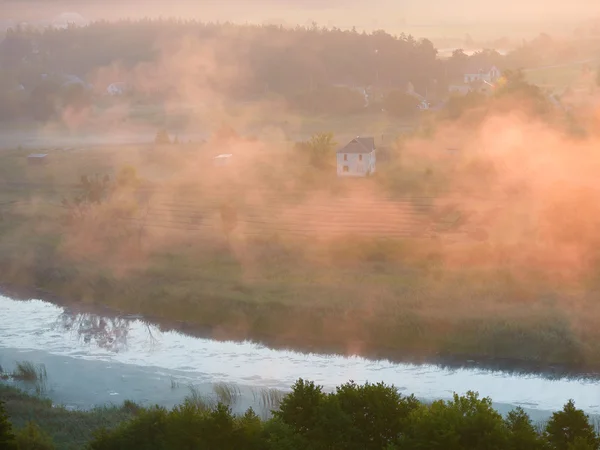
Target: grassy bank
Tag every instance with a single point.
(70, 430)
(328, 269)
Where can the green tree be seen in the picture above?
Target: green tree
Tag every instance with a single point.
(523, 435)
(31, 437)
(377, 413)
(299, 409)
(147, 431)
(464, 423)
(568, 426)
(401, 104)
(7, 437)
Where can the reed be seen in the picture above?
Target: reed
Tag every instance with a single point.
(227, 393)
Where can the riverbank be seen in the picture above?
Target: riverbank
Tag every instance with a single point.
(375, 310)
(468, 418)
(70, 430)
(447, 361)
(328, 270)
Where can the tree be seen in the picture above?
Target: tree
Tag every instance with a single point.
(146, 431)
(523, 435)
(299, 408)
(7, 437)
(377, 414)
(569, 427)
(43, 100)
(320, 150)
(127, 177)
(31, 437)
(464, 423)
(401, 104)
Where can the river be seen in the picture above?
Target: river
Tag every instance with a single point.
(93, 360)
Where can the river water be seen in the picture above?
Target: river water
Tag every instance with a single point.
(93, 360)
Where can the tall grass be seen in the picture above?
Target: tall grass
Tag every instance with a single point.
(227, 393)
(25, 371)
(268, 400)
(32, 373)
(199, 400)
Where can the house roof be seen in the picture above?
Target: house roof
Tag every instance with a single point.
(359, 145)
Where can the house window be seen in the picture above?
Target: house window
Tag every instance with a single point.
(360, 157)
(345, 169)
(345, 157)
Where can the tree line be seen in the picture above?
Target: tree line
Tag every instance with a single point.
(365, 417)
(315, 68)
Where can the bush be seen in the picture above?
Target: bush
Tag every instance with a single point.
(7, 437)
(33, 438)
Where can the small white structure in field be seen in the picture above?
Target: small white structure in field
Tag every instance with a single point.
(222, 160)
(37, 158)
(116, 89)
(357, 158)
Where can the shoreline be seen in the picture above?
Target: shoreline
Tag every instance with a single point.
(511, 366)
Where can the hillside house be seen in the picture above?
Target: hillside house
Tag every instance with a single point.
(357, 158)
(487, 75)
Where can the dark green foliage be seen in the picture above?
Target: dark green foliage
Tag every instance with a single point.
(69, 430)
(7, 437)
(353, 417)
(401, 104)
(570, 428)
(31, 437)
(147, 431)
(464, 423)
(522, 434)
(299, 409)
(377, 413)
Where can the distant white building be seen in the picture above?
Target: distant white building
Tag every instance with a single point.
(486, 75)
(118, 88)
(357, 158)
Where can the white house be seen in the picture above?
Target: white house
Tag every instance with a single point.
(489, 75)
(357, 158)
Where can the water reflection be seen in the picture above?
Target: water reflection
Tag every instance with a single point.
(108, 333)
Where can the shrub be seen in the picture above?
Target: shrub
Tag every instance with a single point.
(7, 437)
(31, 437)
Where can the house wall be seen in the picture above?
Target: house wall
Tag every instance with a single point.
(356, 167)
